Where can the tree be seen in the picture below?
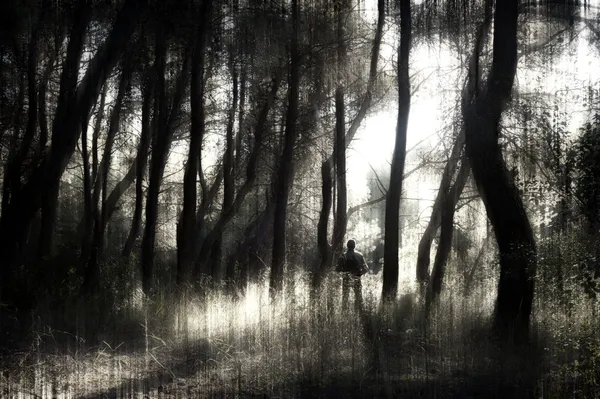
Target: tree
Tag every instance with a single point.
(285, 173)
(73, 102)
(503, 204)
(392, 205)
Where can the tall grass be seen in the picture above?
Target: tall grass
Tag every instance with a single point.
(222, 344)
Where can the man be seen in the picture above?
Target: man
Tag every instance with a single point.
(353, 266)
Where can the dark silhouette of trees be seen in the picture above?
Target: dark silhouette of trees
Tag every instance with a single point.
(503, 204)
(285, 175)
(392, 205)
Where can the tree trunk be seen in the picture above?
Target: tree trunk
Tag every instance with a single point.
(327, 179)
(43, 119)
(500, 196)
(392, 205)
(101, 216)
(339, 227)
(285, 173)
(44, 181)
(140, 167)
(187, 220)
(228, 173)
(447, 210)
(423, 257)
(251, 174)
(162, 139)
(322, 233)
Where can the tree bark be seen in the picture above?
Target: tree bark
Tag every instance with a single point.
(326, 175)
(392, 205)
(228, 174)
(423, 257)
(503, 204)
(447, 210)
(251, 174)
(187, 220)
(92, 274)
(165, 126)
(339, 227)
(285, 172)
(140, 167)
(42, 187)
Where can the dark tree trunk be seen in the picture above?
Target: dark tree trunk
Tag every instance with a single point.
(18, 160)
(251, 174)
(285, 172)
(339, 228)
(87, 219)
(392, 205)
(140, 167)
(44, 181)
(92, 274)
(447, 210)
(162, 139)
(502, 201)
(339, 149)
(326, 175)
(187, 220)
(322, 233)
(228, 174)
(43, 87)
(7, 185)
(86, 225)
(159, 152)
(423, 257)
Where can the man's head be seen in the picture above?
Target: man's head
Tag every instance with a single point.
(351, 244)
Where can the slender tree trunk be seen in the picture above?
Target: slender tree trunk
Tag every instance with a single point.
(87, 189)
(187, 220)
(162, 139)
(18, 161)
(339, 228)
(156, 164)
(43, 87)
(322, 240)
(392, 206)
(447, 208)
(42, 187)
(140, 168)
(285, 173)
(228, 174)
(423, 257)
(326, 175)
(503, 204)
(251, 174)
(92, 274)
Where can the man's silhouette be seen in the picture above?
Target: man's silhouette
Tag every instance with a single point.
(353, 266)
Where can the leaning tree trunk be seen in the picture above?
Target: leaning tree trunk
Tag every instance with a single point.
(251, 174)
(159, 152)
(187, 220)
(447, 210)
(92, 273)
(503, 204)
(392, 205)
(285, 172)
(42, 186)
(141, 161)
(325, 254)
(339, 227)
(165, 127)
(228, 175)
(424, 249)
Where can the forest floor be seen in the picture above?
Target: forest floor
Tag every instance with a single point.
(253, 347)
